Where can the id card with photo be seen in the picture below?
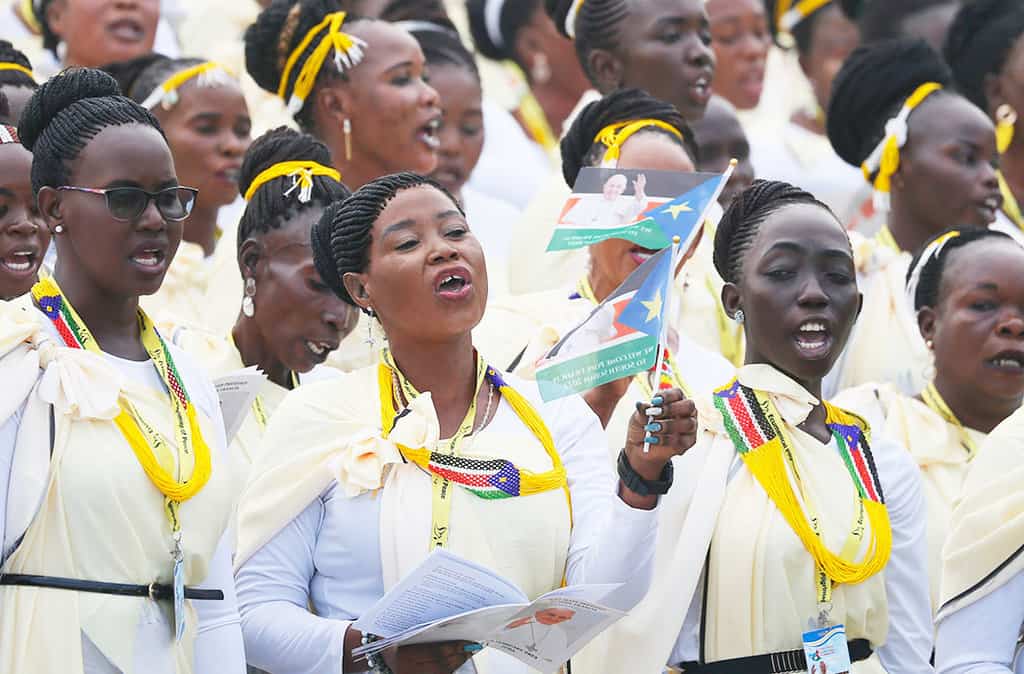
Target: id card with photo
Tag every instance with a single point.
(827, 651)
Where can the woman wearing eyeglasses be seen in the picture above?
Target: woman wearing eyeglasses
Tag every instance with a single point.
(113, 500)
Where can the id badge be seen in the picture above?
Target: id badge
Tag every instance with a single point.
(827, 651)
(179, 599)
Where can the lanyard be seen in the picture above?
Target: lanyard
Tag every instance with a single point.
(931, 397)
(1010, 204)
(886, 238)
(441, 504)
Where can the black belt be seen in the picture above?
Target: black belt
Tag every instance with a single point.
(771, 663)
(154, 591)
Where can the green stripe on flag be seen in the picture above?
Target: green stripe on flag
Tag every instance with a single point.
(584, 372)
(644, 233)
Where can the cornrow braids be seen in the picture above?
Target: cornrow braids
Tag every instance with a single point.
(67, 112)
(432, 11)
(742, 221)
(342, 236)
(597, 26)
(498, 42)
(870, 89)
(278, 30)
(5, 109)
(272, 205)
(15, 78)
(929, 284)
(979, 42)
(579, 148)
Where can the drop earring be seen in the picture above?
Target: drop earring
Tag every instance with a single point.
(370, 341)
(346, 127)
(540, 73)
(739, 317)
(1006, 119)
(248, 306)
(59, 229)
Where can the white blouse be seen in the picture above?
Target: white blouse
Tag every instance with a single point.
(328, 557)
(982, 638)
(218, 644)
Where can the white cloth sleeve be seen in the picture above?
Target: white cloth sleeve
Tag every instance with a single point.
(281, 635)
(218, 646)
(981, 638)
(908, 647)
(611, 541)
(8, 440)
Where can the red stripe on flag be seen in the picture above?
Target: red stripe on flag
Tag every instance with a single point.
(862, 470)
(460, 477)
(746, 423)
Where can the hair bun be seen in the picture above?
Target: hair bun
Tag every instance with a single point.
(59, 92)
(558, 10)
(276, 32)
(871, 87)
(280, 145)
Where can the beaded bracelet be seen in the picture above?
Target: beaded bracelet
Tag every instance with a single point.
(375, 661)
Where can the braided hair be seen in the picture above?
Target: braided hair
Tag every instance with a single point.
(885, 19)
(15, 78)
(342, 236)
(270, 208)
(870, 89)
(417, 10)
(929, 284)
(742, 221)
(979, 42)
(499, 46)
(67, 112)
(579, 148)
(802, 32)
(441, 45)
(278, 30)
(597, 26)
(5, 108)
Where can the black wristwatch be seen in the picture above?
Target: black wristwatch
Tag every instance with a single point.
(637, 484)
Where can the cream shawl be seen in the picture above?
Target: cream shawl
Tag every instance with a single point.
(330, 431)
(89, 511)
(985, 547)
(761, 587)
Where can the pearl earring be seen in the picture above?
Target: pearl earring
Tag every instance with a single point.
(59, 229)
(248, 307)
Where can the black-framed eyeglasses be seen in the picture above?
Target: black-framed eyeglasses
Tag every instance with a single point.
(129, 203)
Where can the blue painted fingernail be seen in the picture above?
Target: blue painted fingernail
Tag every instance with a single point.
(652, 428)
(652, 440)
(657, 400)
(472, 648)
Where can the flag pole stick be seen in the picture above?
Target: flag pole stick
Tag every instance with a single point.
(676, 241)
(663, 333)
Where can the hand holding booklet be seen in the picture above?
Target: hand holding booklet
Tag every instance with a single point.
(448, 598)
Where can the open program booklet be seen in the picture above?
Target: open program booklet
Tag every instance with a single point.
(237, 391)
(448, 598)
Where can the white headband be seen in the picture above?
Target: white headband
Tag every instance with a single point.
(570, 18)
(492, 21)
(413, 26)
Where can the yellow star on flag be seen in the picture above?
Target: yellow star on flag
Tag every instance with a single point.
(677, 209)
(653, 307)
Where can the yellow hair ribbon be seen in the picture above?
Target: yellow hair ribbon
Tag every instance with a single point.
(28, 15)
(614, 136)
(570, 18)
(166, 93)
(789, 14)
(18, 67)
(301, 172)
(885, 160)
(348, 52)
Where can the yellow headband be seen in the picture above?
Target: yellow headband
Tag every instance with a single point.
(348, 52)
(788, 13)
(167, 93)
(570, 18)
(301, 173)
(28, 14)
(885, 159)
(20, 68)
(614, 136)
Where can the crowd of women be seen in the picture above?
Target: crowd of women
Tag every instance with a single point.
(356, 196)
